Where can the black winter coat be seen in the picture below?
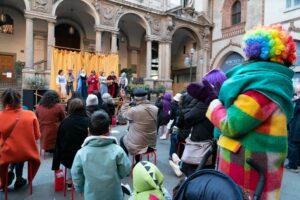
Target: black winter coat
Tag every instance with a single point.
(202, 128)
(294, 125)
(71, 133)
(161, 119)
(91, 109)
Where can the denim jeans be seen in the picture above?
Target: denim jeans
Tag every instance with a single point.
(293, 154)
(174, 145)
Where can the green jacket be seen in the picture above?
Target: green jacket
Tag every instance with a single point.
(98, 168)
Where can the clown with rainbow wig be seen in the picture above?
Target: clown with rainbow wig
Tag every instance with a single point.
(253, 108)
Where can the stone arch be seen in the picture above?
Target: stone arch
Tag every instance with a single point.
(193, 31)
(145, 24)
(27, 5)
(95, 13)
(224, 52)
(73, 23)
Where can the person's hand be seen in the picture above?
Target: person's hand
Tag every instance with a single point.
(210, 91)
(204, 91)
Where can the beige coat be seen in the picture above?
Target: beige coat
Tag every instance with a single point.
(142, 127)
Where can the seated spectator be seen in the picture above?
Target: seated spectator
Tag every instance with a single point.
(142, 116)
(92, 104)
(50, 114)
(71, 134)
(19, 132)
(148, 183)
(108, 104)
(100, 164)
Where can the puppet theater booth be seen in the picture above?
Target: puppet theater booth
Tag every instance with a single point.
(77, 60)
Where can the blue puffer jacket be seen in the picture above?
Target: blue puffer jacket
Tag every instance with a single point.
(98, 168)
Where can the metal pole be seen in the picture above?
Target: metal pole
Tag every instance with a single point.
(191, 69)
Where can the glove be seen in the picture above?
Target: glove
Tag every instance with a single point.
(210, 92)
(202, 91)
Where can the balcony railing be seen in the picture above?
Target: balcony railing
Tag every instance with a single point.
(161, 5)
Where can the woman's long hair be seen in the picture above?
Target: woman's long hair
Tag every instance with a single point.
(49, 99)
(11, 98)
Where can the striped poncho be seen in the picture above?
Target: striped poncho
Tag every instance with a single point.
(251, 115)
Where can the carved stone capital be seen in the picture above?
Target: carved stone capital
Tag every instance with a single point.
(293, 28)
(41, 5)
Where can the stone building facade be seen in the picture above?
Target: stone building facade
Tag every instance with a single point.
(232, 18)
(152, 37)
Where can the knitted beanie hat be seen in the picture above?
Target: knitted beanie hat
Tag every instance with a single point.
(92, 100)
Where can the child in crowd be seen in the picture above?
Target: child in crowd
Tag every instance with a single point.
(148, 183)
(100, 164)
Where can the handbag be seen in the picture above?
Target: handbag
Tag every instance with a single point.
(10, 130)
(194, 152)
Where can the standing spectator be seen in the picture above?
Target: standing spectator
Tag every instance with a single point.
(61, 83)
(81, 83)
(123, 82)
(142, 119)
(19, 132)
(112, 84)
(103, 83)
(70, 81)
(74, 95)
(92, 104)
(253, 109)
(201, 135)
(164, 106)
(294, 136)
(100, 164)
(71, 134)
(93, 82)
(108, 104)
(50, 114)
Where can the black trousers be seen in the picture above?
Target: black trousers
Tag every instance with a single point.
(18, 167)
(70, 88)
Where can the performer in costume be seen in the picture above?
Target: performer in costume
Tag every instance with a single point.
(253, 108)
(112, 84)
(103, 83)
(93, 82)
(61, 83)
(81, 83)
(70, 80)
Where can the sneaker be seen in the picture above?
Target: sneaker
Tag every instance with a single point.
(163, 137)
(295, 170)
(175, 168)
(19, 183)
(175, 158)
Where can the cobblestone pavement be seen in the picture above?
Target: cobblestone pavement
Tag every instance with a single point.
(43, 188)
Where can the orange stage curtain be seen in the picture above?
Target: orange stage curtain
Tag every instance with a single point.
(64, 59)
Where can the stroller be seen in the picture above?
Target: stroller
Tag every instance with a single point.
(211, 184)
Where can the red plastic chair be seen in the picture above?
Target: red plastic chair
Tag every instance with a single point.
(65, 185)
(151, 153)
(29, 179)
(179, 146)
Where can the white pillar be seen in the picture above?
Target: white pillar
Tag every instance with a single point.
(149, 59)
(98, 41)
(50, 43)
(114, 48)
(161, 74)
(168, 60)
(205, 6)
(29, 43)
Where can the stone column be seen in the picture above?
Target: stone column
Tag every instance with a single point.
(114, 48)
(168, 60)
(29, 43)
(149, 59)
(50, 43)
(161, 74)
(205, 6)
(98, 41)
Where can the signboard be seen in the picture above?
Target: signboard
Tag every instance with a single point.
(231, 61)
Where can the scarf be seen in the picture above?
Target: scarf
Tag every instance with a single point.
(271, 79)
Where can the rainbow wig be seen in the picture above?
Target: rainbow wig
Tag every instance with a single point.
(270, 43)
